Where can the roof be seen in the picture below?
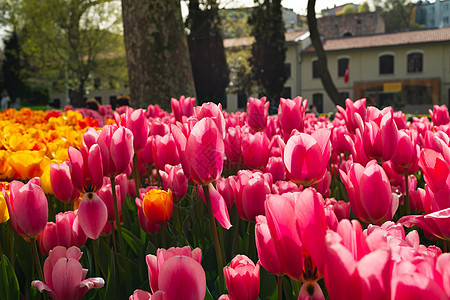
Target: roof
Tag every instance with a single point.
(386, 39)
(249, 40)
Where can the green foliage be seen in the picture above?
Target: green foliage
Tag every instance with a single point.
(69, 41)
(397, 14)
(269, 49)
(235, 22)
(348, 9)
(364, 7)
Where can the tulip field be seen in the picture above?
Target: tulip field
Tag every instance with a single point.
(198, 203)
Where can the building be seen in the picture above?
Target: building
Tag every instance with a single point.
(296, 42)
(337, 9)
(350, 25)
(406, 70)
(433, 15)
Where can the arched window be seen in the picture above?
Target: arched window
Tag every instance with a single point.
(415, 62)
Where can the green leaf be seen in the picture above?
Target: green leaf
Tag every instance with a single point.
(104, 257)
(131, 240)
(9, 286)
(111, 285)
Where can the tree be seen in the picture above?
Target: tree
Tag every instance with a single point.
(396, 14)
(348, 9)
(325, 76)
(364, 7)
(207, 53)
(11, 67)
(64, 39)
(269, 49)
(157, 53)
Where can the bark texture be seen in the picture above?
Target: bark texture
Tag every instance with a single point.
(159, 67)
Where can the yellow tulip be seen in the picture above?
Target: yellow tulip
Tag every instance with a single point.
(157, 206)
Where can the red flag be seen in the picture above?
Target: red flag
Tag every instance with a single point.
(347, 72)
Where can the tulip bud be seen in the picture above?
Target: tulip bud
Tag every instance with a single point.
(157, 206)
(242, 278)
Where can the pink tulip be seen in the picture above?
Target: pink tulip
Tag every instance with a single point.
(306, 156)
(252, 189)
(267, 253)
(369, 192)
(173, 178)
(27, 207)
(218, 205)
(164, 151)
(183, 107)
(276, 167)
(145, 156)
(242, 278)
(177, 272)
(136, 121)
(65, 232)
(205, 152)
(92, 215)
(213, 111)
(435, 170)
(86, 168)
(342, 141)
(380, 140)
(407, 153)
(352, 112)
(352, 271)
(439, 115)
(255, 150)
(64, 275)
(312, 225)
(233, 142)
(291, 114)
(62, 183)
(227, 188)
(116, 147)
(105, 194)
(340, 208)
(284, 232)
(143, 295)
(436, 224)
(257, 111)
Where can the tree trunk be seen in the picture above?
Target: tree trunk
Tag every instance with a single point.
(325, 76)
(158, 57)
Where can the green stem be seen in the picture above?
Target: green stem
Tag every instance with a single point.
(408, 209)
(113, 234)
(176, 218)
(36, 259)
(137, 177)
(212, 223)
(280, 286)
(118, 224)
(163, 236)
(96, 260)
(11, 247)
(5, 275)
(445, 246)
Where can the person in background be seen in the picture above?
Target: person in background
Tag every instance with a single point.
(5, 100)
(92, 104)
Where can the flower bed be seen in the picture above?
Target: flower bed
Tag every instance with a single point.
(204, 204)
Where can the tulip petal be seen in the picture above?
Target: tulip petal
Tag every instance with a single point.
(219, 207)
(92, 215)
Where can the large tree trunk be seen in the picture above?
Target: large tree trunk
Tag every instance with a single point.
(325, 76)
(158, 57)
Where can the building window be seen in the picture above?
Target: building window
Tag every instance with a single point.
(387, 64)
(415, 61)
(315, 69)
(288, 70)
(342, 66)
(318, 102)
(287, 92)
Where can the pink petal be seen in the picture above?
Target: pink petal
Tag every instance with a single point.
(92, 215)
(219, 207)
(181, 277)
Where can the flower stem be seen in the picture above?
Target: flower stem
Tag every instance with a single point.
(114, 242)
(280, 286)
(217, 247)
(118, 225)
(137, 177)
(11, 243)
(5, 275)
(408, 209)
(36, 259)
(95, 247)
